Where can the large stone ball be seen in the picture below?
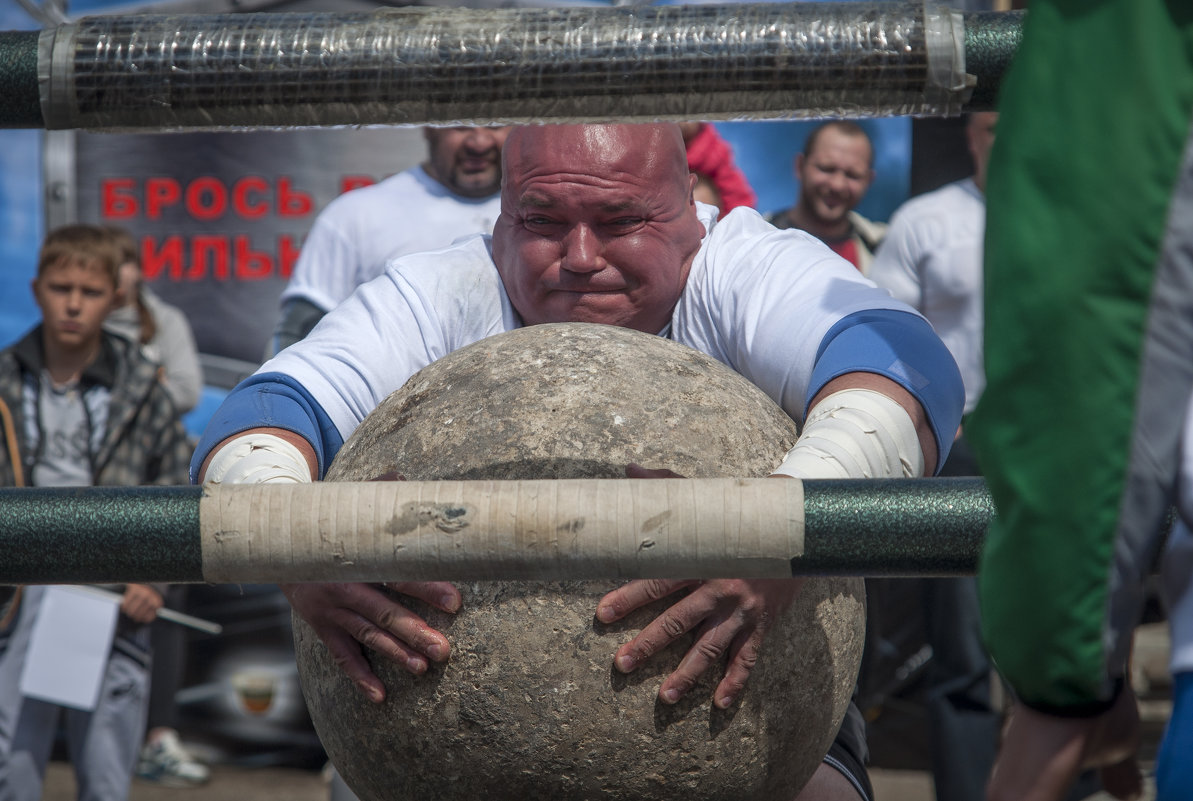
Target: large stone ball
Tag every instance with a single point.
(529, 706)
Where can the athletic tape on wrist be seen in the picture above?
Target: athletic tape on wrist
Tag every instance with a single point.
(856, 433)
(258, 458)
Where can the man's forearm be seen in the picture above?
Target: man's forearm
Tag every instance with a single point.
(261, 456)
(862, 425)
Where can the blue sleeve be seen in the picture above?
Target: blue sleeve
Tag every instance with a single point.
(902, 347)
(270, 400)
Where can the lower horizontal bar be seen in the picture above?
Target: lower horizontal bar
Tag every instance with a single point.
(472, 530)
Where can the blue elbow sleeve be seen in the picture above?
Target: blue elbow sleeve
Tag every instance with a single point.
(270, 400)
(902, 347)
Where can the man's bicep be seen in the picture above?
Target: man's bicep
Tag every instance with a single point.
(902, 348)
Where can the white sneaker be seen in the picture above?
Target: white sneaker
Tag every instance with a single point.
(164, 761)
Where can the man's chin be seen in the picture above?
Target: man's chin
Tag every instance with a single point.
(585, 310)
(477, 184)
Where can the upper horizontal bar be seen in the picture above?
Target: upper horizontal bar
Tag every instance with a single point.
(422, 65)
(403, 530)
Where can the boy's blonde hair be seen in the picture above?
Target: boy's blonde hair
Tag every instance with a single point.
(82, 244)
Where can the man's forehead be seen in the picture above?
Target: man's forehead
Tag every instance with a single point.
(595, 150)
(542, 195)
(594, 135)
(835, 142)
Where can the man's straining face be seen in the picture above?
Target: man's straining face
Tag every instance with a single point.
(597, 224)
(466, 160)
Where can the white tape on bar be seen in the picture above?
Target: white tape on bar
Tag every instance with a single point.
(509, 530)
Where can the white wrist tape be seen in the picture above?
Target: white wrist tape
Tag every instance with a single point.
(856, 433)
(258, 458)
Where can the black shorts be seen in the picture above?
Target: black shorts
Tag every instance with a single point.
(848, 753)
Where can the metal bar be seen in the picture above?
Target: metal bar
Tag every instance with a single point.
(108, 535)
(991, 40)
(446, 65)
(894, 528)
(20, 103)
(100, 535)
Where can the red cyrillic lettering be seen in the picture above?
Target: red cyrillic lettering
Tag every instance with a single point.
(118, 202)
(287, 255)
(251, 265)
(209, 251)
(240, 200)
(155, 260)
(206, 199)
(291, 202)
(159, 193)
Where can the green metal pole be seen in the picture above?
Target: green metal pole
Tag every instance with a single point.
(20, 103)
(100, 535)
(991, 40)
(106, 535)
(915, 527)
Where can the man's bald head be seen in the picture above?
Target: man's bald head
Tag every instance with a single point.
(657, 147)
(597, 223)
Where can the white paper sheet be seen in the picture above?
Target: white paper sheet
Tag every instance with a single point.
(68, 648)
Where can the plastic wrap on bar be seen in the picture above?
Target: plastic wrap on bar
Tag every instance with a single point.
(446, 66)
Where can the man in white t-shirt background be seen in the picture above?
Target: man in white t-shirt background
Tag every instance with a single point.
(451, 194)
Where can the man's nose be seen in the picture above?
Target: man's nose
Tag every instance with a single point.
(582, 251)
(480, 139)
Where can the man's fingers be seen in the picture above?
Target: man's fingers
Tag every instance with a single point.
(673, 623)
(637, 593)
(440, 594)
(742, 660)
(345, 652)
(348, 616)
(140, 603)
(707, 651)
(382, 624)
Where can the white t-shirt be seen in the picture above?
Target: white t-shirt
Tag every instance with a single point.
(758, 299)
(932, 259)
(359, 231)
(64, 449)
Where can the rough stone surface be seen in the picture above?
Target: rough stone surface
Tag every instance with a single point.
(529, 706)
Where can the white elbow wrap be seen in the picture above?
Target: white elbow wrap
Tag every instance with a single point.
(856, 433)
(258, 458)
